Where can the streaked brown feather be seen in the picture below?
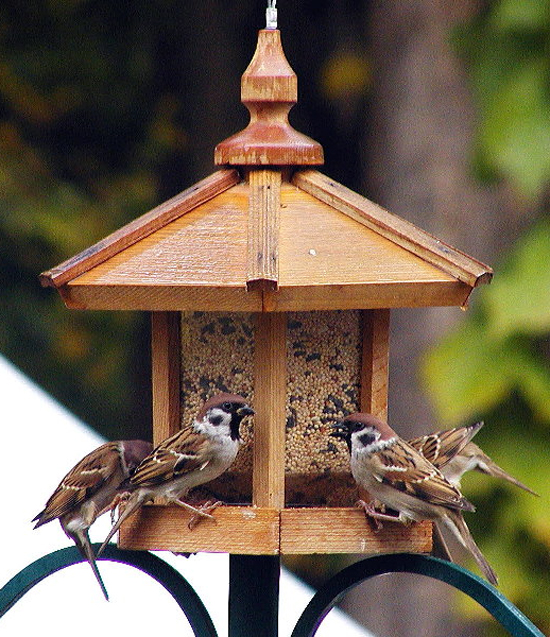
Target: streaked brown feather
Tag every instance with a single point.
(442, 446)
(182, 453)
(82, 482)
(405, 469)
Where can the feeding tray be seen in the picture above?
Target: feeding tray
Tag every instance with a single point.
(270, 280)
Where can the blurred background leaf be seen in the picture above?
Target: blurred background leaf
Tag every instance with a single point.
(495, 365)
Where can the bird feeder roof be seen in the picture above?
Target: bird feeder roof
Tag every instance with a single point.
(251, 238)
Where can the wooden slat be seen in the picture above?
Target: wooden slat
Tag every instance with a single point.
(160, 298)
(262, 272)
(141, 227)
(265, 531)
(346, 530)
(242, 530)
(394, 228)
(375, 363)
(382, 295)
(268, 472)
(230, 299)
(205, 247)
(165, 372)
(319, 245)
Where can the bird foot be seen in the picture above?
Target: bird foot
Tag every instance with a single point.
(376, 516)
(120, 498)
(203, 511)
(198, 512)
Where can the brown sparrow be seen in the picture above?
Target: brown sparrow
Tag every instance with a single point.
(441, 447)
(194, 455)
(395, 473)
(89, 489)
(453, 454)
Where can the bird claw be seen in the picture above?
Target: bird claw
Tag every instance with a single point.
(375, 516)
(202, 512)
(119, 499)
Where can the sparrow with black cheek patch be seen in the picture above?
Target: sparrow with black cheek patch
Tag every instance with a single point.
(397, 475)
(194, 455)
(88, 491)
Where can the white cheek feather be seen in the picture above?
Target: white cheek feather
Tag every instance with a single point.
(211, 430)
(379, 445)
(373, 447)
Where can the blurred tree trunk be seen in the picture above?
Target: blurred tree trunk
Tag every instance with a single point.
(417, 164)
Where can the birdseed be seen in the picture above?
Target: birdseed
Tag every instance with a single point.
(323, 381)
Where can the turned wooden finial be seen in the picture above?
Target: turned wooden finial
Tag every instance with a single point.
(269, 89)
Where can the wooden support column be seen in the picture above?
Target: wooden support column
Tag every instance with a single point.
(375, 363)
(165, 371)
(262, 271)
(268, 474)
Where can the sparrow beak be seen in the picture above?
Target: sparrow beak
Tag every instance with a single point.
(338, 431)
(245, 411)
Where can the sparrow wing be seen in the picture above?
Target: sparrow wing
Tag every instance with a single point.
(405, 469)
(442, 446)
(82, 482)
(182, 453)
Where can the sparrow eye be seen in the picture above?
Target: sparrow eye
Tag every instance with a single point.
(227, 406)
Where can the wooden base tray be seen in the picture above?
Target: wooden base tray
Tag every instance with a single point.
(250, 530)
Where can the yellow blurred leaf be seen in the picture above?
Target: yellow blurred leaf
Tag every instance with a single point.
(345, 74)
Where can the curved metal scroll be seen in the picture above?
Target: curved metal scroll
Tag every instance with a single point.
(180, 589)
(483, 593)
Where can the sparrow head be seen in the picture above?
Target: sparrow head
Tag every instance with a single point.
(223, 413)
(363, 430)
(133, 452)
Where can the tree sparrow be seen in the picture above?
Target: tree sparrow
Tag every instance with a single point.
(89, 489)
(441, 447)
(453, 454)
(396, 474)
(194, 455)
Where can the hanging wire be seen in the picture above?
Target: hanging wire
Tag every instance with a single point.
(271, 14)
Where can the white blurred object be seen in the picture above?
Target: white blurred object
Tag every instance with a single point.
(70, 602)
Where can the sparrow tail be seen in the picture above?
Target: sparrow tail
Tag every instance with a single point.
(456, 524)
(82, 541)
(440, 548)
(41, 519)
(131, 507)
(491, 468)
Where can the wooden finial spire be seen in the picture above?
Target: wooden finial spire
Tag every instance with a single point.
(269, 89)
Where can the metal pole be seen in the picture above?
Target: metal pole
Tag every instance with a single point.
(254, 595)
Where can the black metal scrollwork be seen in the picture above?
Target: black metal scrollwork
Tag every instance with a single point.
(478, 589)
(254, 583)
(180, 589)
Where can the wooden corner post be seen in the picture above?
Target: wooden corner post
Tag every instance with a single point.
(165, 372)
(268, 474)
(375, 363)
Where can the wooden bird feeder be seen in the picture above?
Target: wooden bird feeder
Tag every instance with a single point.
(270, 280)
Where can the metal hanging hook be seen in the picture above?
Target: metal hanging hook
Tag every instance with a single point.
(271, 14)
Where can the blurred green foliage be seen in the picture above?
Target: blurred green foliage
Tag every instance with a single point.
(80, 142)
(507, 51)
(495, 365)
